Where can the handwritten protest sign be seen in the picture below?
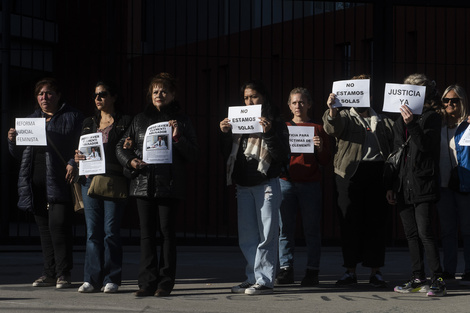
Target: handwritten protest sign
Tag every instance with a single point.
(31, 131)
(245, 119)
(301, 139)
(352, 93)
(158, 144)
(91, 145)
(397, 95)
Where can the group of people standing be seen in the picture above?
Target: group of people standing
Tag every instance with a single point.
(47, 171)
(272, 184)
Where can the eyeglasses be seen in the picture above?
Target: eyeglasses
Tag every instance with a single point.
(452, 100)
(101, 94)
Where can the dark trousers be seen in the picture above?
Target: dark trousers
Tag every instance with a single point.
(55, 230)
(417, 223)
(157, 273)
(363, 216)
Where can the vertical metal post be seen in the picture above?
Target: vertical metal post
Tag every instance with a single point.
(382, 61)
(5, 181)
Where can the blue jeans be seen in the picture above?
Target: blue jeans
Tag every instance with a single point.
(103, 258)
(308, 198)
(258, 229)
(454, 211)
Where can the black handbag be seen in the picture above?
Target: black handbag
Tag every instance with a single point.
(394, 160)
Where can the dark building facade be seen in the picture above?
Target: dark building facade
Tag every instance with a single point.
(212, 47)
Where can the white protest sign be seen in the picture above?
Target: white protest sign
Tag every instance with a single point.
(397, 95)
(91, 145)
(301, 139)
(158, 142)
(245, 119)
(352, 93)
(31, 131)
(465, 139)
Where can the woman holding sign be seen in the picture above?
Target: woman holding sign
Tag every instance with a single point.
(418, 186)
(254, 162)
(364, 140)
(453, 207)
(44, 178)
(103, 258)
(159, 188)
(301, 189)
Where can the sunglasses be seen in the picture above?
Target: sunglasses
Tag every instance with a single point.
(452, 100)
(102, 94)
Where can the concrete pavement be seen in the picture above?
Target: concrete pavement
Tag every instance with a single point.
(204, 277)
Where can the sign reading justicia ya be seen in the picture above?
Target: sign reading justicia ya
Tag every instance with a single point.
(396, 95)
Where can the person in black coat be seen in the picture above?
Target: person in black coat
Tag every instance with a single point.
(158, 187)
(103, 258)
(44, 181)
(418, 187)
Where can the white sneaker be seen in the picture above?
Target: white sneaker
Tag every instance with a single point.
(258, 289)
(110, 288)
(86, 288)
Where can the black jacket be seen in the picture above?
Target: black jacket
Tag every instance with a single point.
(419, 174)
(244, 172)
(159, 180)
(120, 125)
(63, 130)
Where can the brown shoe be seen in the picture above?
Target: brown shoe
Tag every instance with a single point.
(143, 293)
(161, 293)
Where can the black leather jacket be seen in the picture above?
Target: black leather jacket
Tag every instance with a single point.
(158, 180)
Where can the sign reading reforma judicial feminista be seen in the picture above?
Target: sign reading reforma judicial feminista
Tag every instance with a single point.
(352, 93)
(31, 131)
(397, 95)
(245, 119)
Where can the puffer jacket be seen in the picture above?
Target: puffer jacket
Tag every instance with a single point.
(158, 180)
(419, 175)
(63, 130)
(350, 136)
(120, 125)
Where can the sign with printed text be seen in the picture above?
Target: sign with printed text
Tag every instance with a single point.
(91, 145)
(245, 119)
(301, 139)
(158, 144)
(352, 93)
(465, 139)
(397, 95)
(31, 131)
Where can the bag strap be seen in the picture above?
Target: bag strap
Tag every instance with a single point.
(51, 143)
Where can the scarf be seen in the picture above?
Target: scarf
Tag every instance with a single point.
(256, 149)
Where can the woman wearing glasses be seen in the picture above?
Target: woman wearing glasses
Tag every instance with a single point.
(103, 258)
(454, 164)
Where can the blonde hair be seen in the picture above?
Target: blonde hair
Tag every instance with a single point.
(463, 103)
(361, 76)
(303, 91)
(432, 99)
